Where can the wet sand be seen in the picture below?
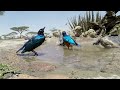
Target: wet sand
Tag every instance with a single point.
(57, 62)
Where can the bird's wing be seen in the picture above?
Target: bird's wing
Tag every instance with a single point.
(38, 38)
(34, 42)
(69, 40)
(74, 41)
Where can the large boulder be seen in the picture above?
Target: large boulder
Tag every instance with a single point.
(91, 33)
(78, 31)
(78, 28)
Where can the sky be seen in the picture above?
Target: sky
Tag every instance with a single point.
(37, 19)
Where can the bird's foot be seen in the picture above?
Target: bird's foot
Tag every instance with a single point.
(35, 54)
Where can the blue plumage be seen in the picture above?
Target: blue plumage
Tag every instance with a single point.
(34, 42)
(39, 37)
(68, 39)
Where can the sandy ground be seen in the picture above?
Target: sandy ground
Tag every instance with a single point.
(8, 56)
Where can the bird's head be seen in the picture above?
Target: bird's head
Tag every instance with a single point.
(63, 33)
(41, 31)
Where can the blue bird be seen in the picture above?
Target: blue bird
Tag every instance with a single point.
(68, 40)
(34, 42)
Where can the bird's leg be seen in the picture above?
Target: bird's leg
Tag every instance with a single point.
(35, 53)
(72, 48)
(68, 47)
(63, 44)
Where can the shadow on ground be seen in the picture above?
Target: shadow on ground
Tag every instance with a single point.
(31, 54)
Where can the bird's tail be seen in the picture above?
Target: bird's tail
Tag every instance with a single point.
(78, 45)
(23, 51)
(21, 47)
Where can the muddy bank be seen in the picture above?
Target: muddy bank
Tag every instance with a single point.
(23, 65)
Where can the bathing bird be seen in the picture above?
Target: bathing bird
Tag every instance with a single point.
(34, 42)
(68, 40)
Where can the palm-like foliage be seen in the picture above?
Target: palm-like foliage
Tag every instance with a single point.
(84, 21)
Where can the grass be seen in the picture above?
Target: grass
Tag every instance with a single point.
(6, 69)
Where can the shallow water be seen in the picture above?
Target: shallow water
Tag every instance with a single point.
(115, 39)
(86, 58)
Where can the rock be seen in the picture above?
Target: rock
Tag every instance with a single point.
(106, 42)
(90, 32)
(78, 28)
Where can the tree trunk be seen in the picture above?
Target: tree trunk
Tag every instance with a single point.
(20, 35)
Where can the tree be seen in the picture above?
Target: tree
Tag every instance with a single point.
(47, 34)
(31, 34)
(5, 36)
(2, 12)
(20, 29)
(12, 34)
(53, 30)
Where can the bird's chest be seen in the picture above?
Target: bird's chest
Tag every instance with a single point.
(67, 44)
